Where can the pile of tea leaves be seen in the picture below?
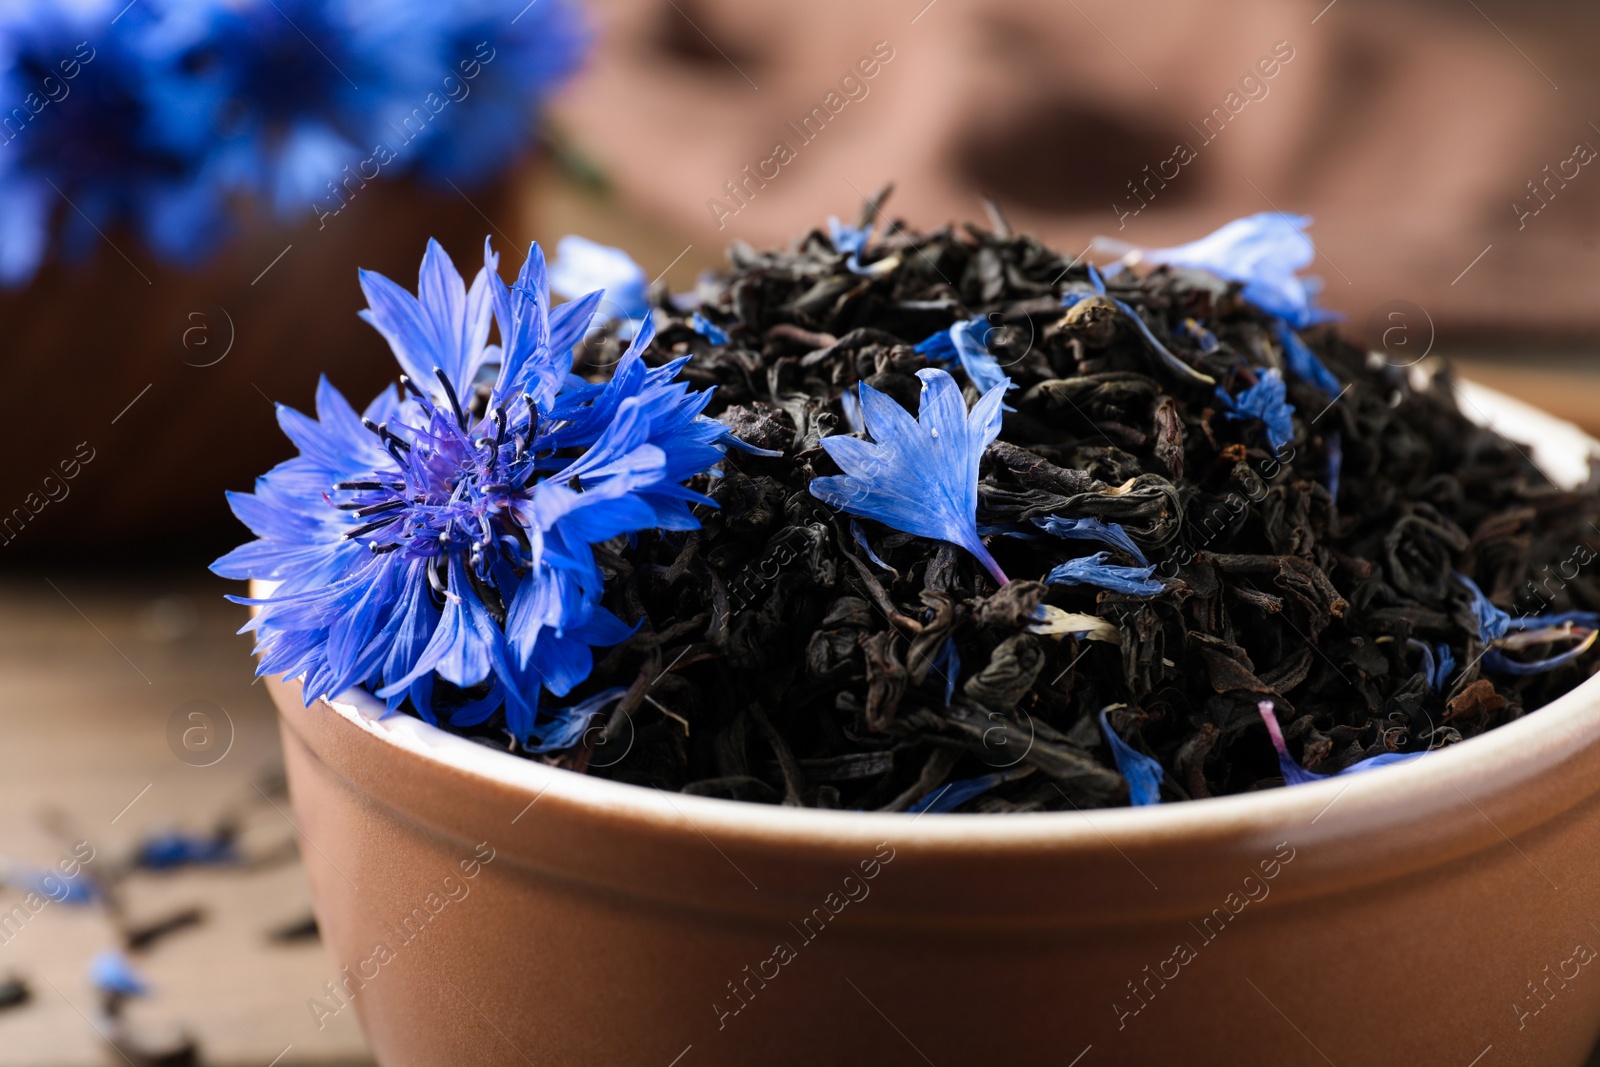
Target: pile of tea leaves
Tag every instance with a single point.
(787, 653)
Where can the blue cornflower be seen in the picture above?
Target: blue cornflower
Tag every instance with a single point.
(1094, 570)
(110, 972)
(1266, 401)
(85, 150)
(1303, 363)
(155, 115)
(967, 342)
(1498, 631)
(1294, 774)
(918, 475)
(169, 850)
(583, 266)
(708, 329)
(521, 53)
(445, 534)
(1089, 529)
(1142, 772)
(1263, 252)
(1071, 297)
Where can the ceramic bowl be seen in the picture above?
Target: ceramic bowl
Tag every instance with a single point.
(486, 909)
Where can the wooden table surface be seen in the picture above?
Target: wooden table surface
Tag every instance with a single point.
(90, 674)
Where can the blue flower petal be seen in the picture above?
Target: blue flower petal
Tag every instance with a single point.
(1267, 402)
(569, 724)
(1091, 529)
(708, 329)
(1294, 774)
(918, 475)
(110, 972)
(1303, 363)
(948, 664)
(952, 795)
(1142, 772)
(171, 849)
(1263, 252)
(583, 266)
(967, 342)
(1094, 570)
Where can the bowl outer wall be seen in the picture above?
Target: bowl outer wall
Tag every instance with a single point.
(1496, 836)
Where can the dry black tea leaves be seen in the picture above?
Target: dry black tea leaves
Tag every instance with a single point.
(1207, 519)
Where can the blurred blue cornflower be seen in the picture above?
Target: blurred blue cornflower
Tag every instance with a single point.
(155, 116)
(1498, 631)
(1267, 402)
(445, 534)
(584, 266)
(918, 475)
(84, 148)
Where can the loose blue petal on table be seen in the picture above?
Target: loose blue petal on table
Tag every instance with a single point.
(1094, 570)
(169, 850)
(76, 891)
(110, 972)
(1089, 529)
(918, 475)
(1267, 402)
(1142, 772)
(708, 329)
